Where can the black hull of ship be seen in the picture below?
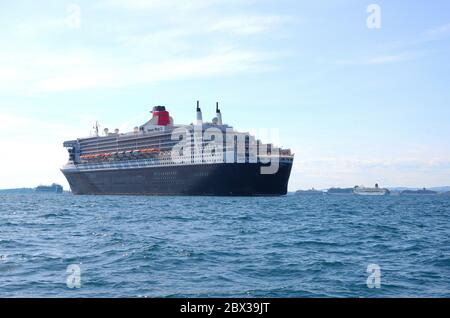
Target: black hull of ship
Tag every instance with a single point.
(229, 179)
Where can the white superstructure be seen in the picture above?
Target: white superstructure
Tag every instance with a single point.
(361, 190)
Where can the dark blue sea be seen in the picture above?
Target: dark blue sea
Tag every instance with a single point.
(292, 246)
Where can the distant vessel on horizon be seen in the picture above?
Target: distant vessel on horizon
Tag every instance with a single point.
(361, 190)
(422, 191)
(309, 192)
(340, 191)
(54, 188)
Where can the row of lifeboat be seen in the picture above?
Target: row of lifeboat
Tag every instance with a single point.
(127, 153)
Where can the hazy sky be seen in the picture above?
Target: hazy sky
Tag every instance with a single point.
(357, 105)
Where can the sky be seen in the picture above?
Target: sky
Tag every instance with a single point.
(360, 93)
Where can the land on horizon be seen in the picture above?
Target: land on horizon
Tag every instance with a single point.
(440, 189)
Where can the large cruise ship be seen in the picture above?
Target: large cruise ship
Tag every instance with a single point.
(161, 158)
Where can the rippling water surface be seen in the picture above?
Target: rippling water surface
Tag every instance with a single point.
(292, 246)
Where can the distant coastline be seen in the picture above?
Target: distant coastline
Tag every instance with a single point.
(54, 188)
(17, 190)
(443, 191)
(393, 191)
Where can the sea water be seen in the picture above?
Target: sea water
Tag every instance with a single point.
(290, 246)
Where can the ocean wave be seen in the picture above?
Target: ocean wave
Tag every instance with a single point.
(288, 246)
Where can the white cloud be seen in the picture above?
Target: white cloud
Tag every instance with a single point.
(388, 59)
(409, 48)
(439, 31)
(17, 128)
(378, 60)
(32, 150)
(171, 69)
(247, 25)
(75, 79)
(10, 75)
(50, 73)
(163, 48)
(168, 4)
(139, 4)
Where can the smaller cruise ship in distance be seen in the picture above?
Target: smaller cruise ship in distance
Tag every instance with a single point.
(54, 188)
(361, 190)
(423, 191)
(340, 191)
(309, 192)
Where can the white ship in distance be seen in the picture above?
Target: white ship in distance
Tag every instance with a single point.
(361, 190)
